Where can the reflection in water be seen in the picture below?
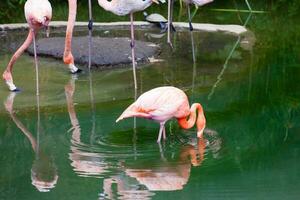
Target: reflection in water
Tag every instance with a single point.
(225, 65)
(170, 176)
(84, 163)
(132, 180)
(43, 172)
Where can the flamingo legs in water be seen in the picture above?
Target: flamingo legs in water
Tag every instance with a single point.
(132, 45)
(162, 132)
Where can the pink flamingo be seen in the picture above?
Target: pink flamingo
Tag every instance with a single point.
(125, 7)
(68, 56)
(163, 103)
(38, 14)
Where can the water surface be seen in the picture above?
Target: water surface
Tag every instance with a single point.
(71, 148)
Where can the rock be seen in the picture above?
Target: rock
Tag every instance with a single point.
(106, 52)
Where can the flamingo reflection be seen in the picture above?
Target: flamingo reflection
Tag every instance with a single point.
(84, 163)
(127, 179)
(43, 172)
(171, 176)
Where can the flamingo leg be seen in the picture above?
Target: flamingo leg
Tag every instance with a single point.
(164, 133)
(190, 18)
(169, 22)
(161, 130)
(90, 25)
(132, 45)
(36, 64)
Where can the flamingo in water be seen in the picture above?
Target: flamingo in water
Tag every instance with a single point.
(163, 103)
(38, 14)
(125, 7)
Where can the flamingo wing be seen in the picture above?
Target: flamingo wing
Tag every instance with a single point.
(159, 104)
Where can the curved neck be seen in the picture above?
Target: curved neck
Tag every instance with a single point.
(70, 26)
(106, 4)
(20, 51)
(190, 122)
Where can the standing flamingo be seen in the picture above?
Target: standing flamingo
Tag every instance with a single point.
(163, 103)
(68, 56)
(38, 14)
(124, 7)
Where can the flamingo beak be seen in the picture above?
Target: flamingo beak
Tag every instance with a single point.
(155, 1)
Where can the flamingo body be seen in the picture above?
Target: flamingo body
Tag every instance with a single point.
(38, 13)
(163, 103)
(121, 7)
(159, 104)
(198, 2)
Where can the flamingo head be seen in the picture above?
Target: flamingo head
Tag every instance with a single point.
(38, 13)
(39, 21)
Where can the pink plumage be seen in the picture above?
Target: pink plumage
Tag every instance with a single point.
(163, 103)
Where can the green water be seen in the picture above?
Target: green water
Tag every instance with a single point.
(251, 98)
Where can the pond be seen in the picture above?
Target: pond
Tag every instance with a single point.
(65, 143)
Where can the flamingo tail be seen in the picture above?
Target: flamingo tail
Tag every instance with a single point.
(133, 111)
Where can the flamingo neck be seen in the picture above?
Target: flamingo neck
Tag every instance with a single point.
(20, 51)
(70, 26)
(190, 122)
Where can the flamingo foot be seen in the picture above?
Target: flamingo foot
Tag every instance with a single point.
(7, 77)
(11, 86)
(74, 69)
